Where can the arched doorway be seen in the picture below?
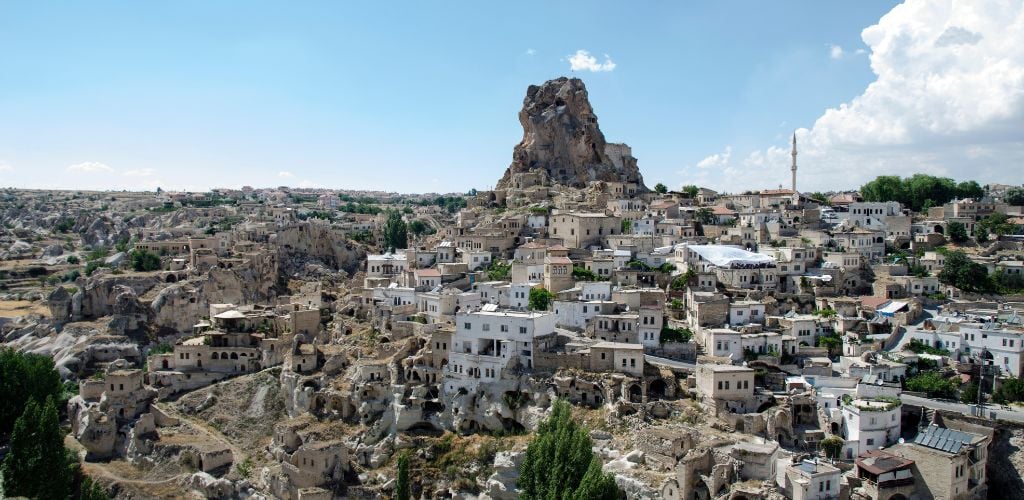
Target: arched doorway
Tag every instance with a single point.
(656, 389)
(636, 394)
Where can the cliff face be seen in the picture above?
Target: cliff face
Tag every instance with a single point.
(562, 143)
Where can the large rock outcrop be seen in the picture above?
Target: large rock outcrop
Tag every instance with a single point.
(562, 144)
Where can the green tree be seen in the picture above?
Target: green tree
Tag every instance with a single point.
(690, 190)
(705, 216)
(821, 198)
(997, 224)
(961, 272)
(933, 383)
(402, 488)
(969, 189)
(560, 464)
(832, 446)
(660, 188)
(919, 191)
(969, 393)
(980, 233)
(627, 226)
(1014, 196)
(1011, 391)
(144, 260)
(884, 188)
(23, 378)
(395, 231)
(957, 232)
(540, 299)
(596, 484)
(499, 270)
(419, 227)
(36, 466)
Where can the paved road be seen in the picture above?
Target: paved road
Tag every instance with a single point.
(1014, 415)
(671, 363)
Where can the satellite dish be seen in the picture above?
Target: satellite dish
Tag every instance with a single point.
(902, 441)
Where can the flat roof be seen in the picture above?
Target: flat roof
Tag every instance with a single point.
(726, 368)
(617, 345)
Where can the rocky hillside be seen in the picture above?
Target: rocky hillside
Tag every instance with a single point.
(562, 144)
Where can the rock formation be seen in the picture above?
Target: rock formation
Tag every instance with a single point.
(562, 144)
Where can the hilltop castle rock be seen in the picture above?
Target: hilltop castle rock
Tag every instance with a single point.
(563, 146)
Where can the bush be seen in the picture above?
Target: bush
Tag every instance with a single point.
(73, 260)
(144, 260)
(499, 270)
(1011, 391)
(918, 347)
(675, 334)
(969, 393)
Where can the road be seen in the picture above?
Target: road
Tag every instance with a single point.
(671, 363)
(1001, 413)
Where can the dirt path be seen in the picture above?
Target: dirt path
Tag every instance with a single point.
(238, 456)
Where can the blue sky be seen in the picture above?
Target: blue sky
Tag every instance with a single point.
(405, 96)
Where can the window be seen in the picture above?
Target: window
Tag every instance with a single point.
(467, 326)
(504, 328)
(871, 442)
(522, 329)
(487, 327)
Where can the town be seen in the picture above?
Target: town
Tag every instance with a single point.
(316, 344)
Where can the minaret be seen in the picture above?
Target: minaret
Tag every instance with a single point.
(793, 167)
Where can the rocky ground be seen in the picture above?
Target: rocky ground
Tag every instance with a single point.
(1006, 462)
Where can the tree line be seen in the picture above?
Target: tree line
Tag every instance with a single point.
(919, 192)
(37, 464)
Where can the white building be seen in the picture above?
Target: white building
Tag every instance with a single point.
(869, 424)
(744, 312)
(490, 340)
(386, 265)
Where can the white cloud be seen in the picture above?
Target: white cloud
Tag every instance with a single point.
(835, 51)
(5, 167)
(860, 52)
(948, 99)
(530, 52)
(285, 173)
(583, 61)
(140, 172)
(90, 167)
(717, 160)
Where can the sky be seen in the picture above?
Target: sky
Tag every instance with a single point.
(423, 96)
